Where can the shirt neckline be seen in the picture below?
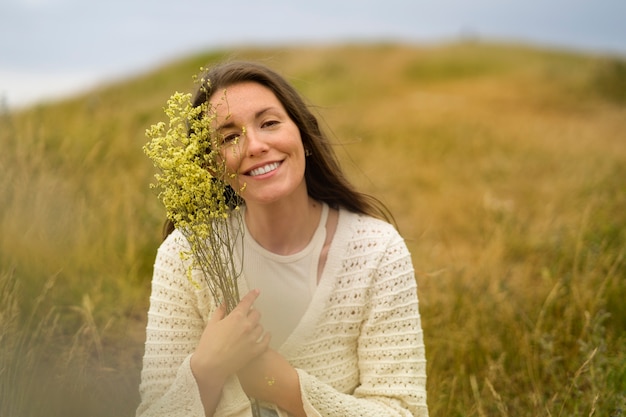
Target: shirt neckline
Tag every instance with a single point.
(319, 236)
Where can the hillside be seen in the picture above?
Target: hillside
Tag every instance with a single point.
(504, 165)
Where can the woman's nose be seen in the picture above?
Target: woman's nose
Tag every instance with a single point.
(254, 142)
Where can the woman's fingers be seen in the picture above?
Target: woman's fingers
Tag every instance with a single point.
(247, 302)
(230, 341)
(245, 316)
(219, 314)
(254, 315)
(264, 341)
(251, 321)
(245, 308)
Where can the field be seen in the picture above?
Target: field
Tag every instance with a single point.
(505, 168)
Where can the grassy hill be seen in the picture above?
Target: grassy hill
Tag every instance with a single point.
(504, 165)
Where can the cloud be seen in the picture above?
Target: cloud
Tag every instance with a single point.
(82, 38)
(21, 88)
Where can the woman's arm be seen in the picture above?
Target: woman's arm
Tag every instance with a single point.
(270, 378)
(228, 343)
(390, 370)
(174, 327)
(175, 332)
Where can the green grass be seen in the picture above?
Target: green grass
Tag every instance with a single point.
(504, 165)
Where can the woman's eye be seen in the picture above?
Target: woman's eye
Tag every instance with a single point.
(270, 123)
(230, 138)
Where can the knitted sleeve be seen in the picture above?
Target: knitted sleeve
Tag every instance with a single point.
(390, 350)
(175, 324)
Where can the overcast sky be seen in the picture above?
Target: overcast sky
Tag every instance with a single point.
(51, 48)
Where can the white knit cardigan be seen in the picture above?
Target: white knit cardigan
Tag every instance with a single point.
(358, 349)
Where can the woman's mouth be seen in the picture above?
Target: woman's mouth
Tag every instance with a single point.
(263, 169)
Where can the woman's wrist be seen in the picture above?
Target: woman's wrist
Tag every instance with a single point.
(210, 384)
(286, 390)
(208, 377)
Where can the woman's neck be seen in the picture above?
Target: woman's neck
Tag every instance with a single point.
(284, 229)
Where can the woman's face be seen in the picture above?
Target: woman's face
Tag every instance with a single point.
(261, 144)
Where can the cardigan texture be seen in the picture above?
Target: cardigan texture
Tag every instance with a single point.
(358, 350)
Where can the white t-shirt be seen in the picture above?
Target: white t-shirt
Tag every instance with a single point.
(286, 282)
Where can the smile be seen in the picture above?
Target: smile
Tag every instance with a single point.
(264, 169)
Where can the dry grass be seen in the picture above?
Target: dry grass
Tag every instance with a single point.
(504, 166)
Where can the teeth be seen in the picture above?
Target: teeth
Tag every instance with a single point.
(264, 169)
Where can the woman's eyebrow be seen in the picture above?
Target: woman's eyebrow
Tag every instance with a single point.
(226, 125)
(263, 111)
(229, 123)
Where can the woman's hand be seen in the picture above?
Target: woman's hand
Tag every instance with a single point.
(229, 343)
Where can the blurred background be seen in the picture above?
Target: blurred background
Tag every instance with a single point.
(51, 48)
(495, 131)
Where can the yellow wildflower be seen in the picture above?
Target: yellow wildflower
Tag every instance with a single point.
(191, 183)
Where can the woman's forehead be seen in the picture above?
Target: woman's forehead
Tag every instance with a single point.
(243, 98)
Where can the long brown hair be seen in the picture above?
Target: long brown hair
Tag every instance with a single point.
(324, 177)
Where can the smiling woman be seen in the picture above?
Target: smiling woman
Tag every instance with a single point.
(329, 323)
(267, 160)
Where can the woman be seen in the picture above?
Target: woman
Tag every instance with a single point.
(329, 322)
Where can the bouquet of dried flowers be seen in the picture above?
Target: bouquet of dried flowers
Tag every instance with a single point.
(191, 183)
